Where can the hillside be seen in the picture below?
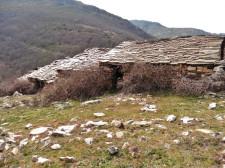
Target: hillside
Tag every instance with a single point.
(34, 33)
(161, 31)
(113, 133)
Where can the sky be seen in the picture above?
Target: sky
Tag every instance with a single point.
(208, 15)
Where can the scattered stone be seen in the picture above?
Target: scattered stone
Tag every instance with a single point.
(99, 114)
(119, 134)
(29, 126)
(23, 143)
(219, 117)
(63, 130)
(97, 123)
(17, 94)
(109, 135)
(108, 143)
(104, 131)
(212, 106)
(91, 102)
(68, 159)
(113, 150)
(187, 120)
(161, 126)
(62, 105)
(56, 146)
(125, 145)
(15, 151)
(205, 131)
(128, 122)
(176, 141)
(171, 118)
(89, 141)
(223, 139)
(4, 124)
(118, 124)
(142, 123)
(40, 160)
(7, 105)
(38, 131)
(185, 133)
(149, 108)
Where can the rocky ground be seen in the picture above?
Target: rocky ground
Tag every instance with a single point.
(162, 130)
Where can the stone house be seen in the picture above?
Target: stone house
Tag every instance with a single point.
(195, 57)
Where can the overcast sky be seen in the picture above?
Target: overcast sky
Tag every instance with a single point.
(208, 15)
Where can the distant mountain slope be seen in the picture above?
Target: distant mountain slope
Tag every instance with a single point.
(160, 31)
(35, 32)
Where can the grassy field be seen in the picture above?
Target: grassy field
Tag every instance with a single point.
(156, 147)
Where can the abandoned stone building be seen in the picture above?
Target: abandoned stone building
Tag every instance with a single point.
(194, 56)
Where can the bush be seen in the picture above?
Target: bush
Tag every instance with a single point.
(8, 87)
(148, 77)
(80, 85)
(189, 86)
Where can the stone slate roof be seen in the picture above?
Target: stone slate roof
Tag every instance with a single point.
(200, 50)
(48, 73)
(186, 50)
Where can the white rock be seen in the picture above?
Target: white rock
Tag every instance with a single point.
(56, 146)
(171, 118)
(205, 131)
(91, 102)
(17, 94)
(64, 130)
(187, 120)
(176, 141)
(99, 114)
(38, 131)
(119, 134)
(23, 143)
(15, 151)
(161, 126)
(95, 123)
(219, 117)
(108, 143)
(117, 123)
(40, 160)
(149, 108)
(109, 135)
(29, 126)
(34, 138)
(223, 139)
(142, 123)
(89, 141)
(125, 145)
(185, 133)
(212, 106)
(104, 131)
(68, 159)
(67, 128)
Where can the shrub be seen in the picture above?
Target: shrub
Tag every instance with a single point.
(148, 77)
(8, 87)
(80, 85)
(189, 86)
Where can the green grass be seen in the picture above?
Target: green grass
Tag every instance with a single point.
(196, 150)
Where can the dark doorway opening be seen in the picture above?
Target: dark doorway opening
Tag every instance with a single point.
(117, 75)
(222, 49)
